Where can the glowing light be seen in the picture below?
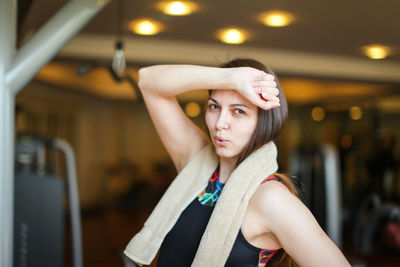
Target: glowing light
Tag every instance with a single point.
(376, 51)
(145, 26)
(177, 8)
(318, 114)
(276, 18)
(355, 113)
(192, 109)
(232, 36)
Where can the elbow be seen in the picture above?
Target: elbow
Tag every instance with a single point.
(143, 78)
(149, 80)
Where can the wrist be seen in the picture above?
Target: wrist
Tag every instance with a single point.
(232, 79)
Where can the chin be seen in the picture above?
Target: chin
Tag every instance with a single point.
(225, 152)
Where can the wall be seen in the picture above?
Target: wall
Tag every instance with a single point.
(103, 133)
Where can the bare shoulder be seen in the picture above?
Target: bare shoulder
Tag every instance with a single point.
(274, 202)
(273, 193)
(288, 219)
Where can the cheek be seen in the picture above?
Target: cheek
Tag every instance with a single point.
(247, 129)
(245, 134)
(209, 120)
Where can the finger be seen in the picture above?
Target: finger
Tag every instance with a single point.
(266, 88)
(268, 77)
(270, 90)
(266, 105)
(266, 84)
(258, 90)
(273, 104)
(269, 97)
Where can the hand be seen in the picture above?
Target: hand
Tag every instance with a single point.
(257, 86)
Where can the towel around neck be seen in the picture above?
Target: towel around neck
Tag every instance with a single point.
(227, 217)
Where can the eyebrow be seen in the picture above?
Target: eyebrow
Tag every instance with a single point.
(231, 105)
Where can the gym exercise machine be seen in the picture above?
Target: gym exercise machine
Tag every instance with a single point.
(17, 68)
(39, 203)
(317, 167)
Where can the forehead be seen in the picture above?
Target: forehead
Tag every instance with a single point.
(230, 97)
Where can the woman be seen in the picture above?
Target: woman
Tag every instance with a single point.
(225, 208)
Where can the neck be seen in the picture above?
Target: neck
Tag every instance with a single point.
(226, 167)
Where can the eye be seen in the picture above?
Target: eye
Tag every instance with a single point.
(213, 107)
(239, 111)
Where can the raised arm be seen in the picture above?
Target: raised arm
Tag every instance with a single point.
(162, 83)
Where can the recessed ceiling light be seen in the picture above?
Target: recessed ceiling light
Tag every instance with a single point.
(276, 18)
(145, 26)
(177, 8)
(376, 51)
(232, 35)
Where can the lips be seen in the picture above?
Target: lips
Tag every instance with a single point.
(220, 141)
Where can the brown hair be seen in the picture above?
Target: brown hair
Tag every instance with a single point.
(270, 122)
(269, 125)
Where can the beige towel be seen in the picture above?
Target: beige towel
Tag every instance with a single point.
(227, 217)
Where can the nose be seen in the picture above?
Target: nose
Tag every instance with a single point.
(223, 121)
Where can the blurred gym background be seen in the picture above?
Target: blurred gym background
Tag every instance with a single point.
(338, 63)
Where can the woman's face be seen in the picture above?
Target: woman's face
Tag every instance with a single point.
(231, 120)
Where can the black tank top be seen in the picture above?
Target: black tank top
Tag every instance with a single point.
(180, 245)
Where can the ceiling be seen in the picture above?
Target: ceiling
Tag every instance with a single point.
(338, 27)
(324, 41)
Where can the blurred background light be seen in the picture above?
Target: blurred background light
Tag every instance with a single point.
(177, 8)
(346, 141)
(192, 109)
(232, 36)
(318, 114)
(376, 51)
(276, 18)
(355, 113)
(145, 26)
